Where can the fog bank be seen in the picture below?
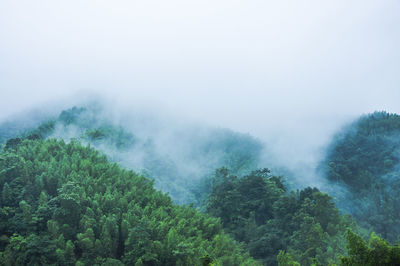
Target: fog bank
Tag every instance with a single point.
(288, 72)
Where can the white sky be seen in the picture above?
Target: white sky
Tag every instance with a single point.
(295, 68)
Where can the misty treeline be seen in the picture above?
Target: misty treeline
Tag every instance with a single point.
(176, 158)
(365, 159)
(65, 204)
(66, 200)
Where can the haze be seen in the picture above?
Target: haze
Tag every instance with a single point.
(289, 72)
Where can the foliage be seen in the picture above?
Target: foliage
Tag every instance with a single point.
(284, 259)
(365, 158)
(256, 209)
(376, 252)
(65, 204)
(178, 161)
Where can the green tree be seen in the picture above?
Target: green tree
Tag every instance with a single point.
(376, 252)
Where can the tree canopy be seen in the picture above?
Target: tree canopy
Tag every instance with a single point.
(365, 158)
(258, 210)
(65, 204)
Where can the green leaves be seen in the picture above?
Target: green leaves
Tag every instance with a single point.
(256, 210)
(364, 158)
(34, 250)
(376, 252)
(65, 203)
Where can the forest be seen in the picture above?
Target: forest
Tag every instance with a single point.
(79, 189)
(365, 159)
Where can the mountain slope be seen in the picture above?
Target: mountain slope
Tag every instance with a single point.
(365, 159)
(65, 204)
(178, 157)
(257, 210)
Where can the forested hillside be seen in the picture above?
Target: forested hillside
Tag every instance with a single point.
(177, 158)
(65, 204)
(200, 133)
(365, 159)
(21, 124)
(258, 210)
(69, 198)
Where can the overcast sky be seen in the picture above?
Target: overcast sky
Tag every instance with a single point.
(257, 66)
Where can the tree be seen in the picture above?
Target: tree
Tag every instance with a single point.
(377, 252)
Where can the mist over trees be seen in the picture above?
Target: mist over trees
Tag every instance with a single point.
(210, 133)
(69, 195)
(65, 204)
(258, 210)
(365, 159)
(177, 158)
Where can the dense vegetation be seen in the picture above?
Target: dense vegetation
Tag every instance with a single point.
(178, 159)
(65, 204)
(256, 209)
(376, 252)
(365, 159)
(359, 253)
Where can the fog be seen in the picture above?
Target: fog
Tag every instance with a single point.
(290, 73)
